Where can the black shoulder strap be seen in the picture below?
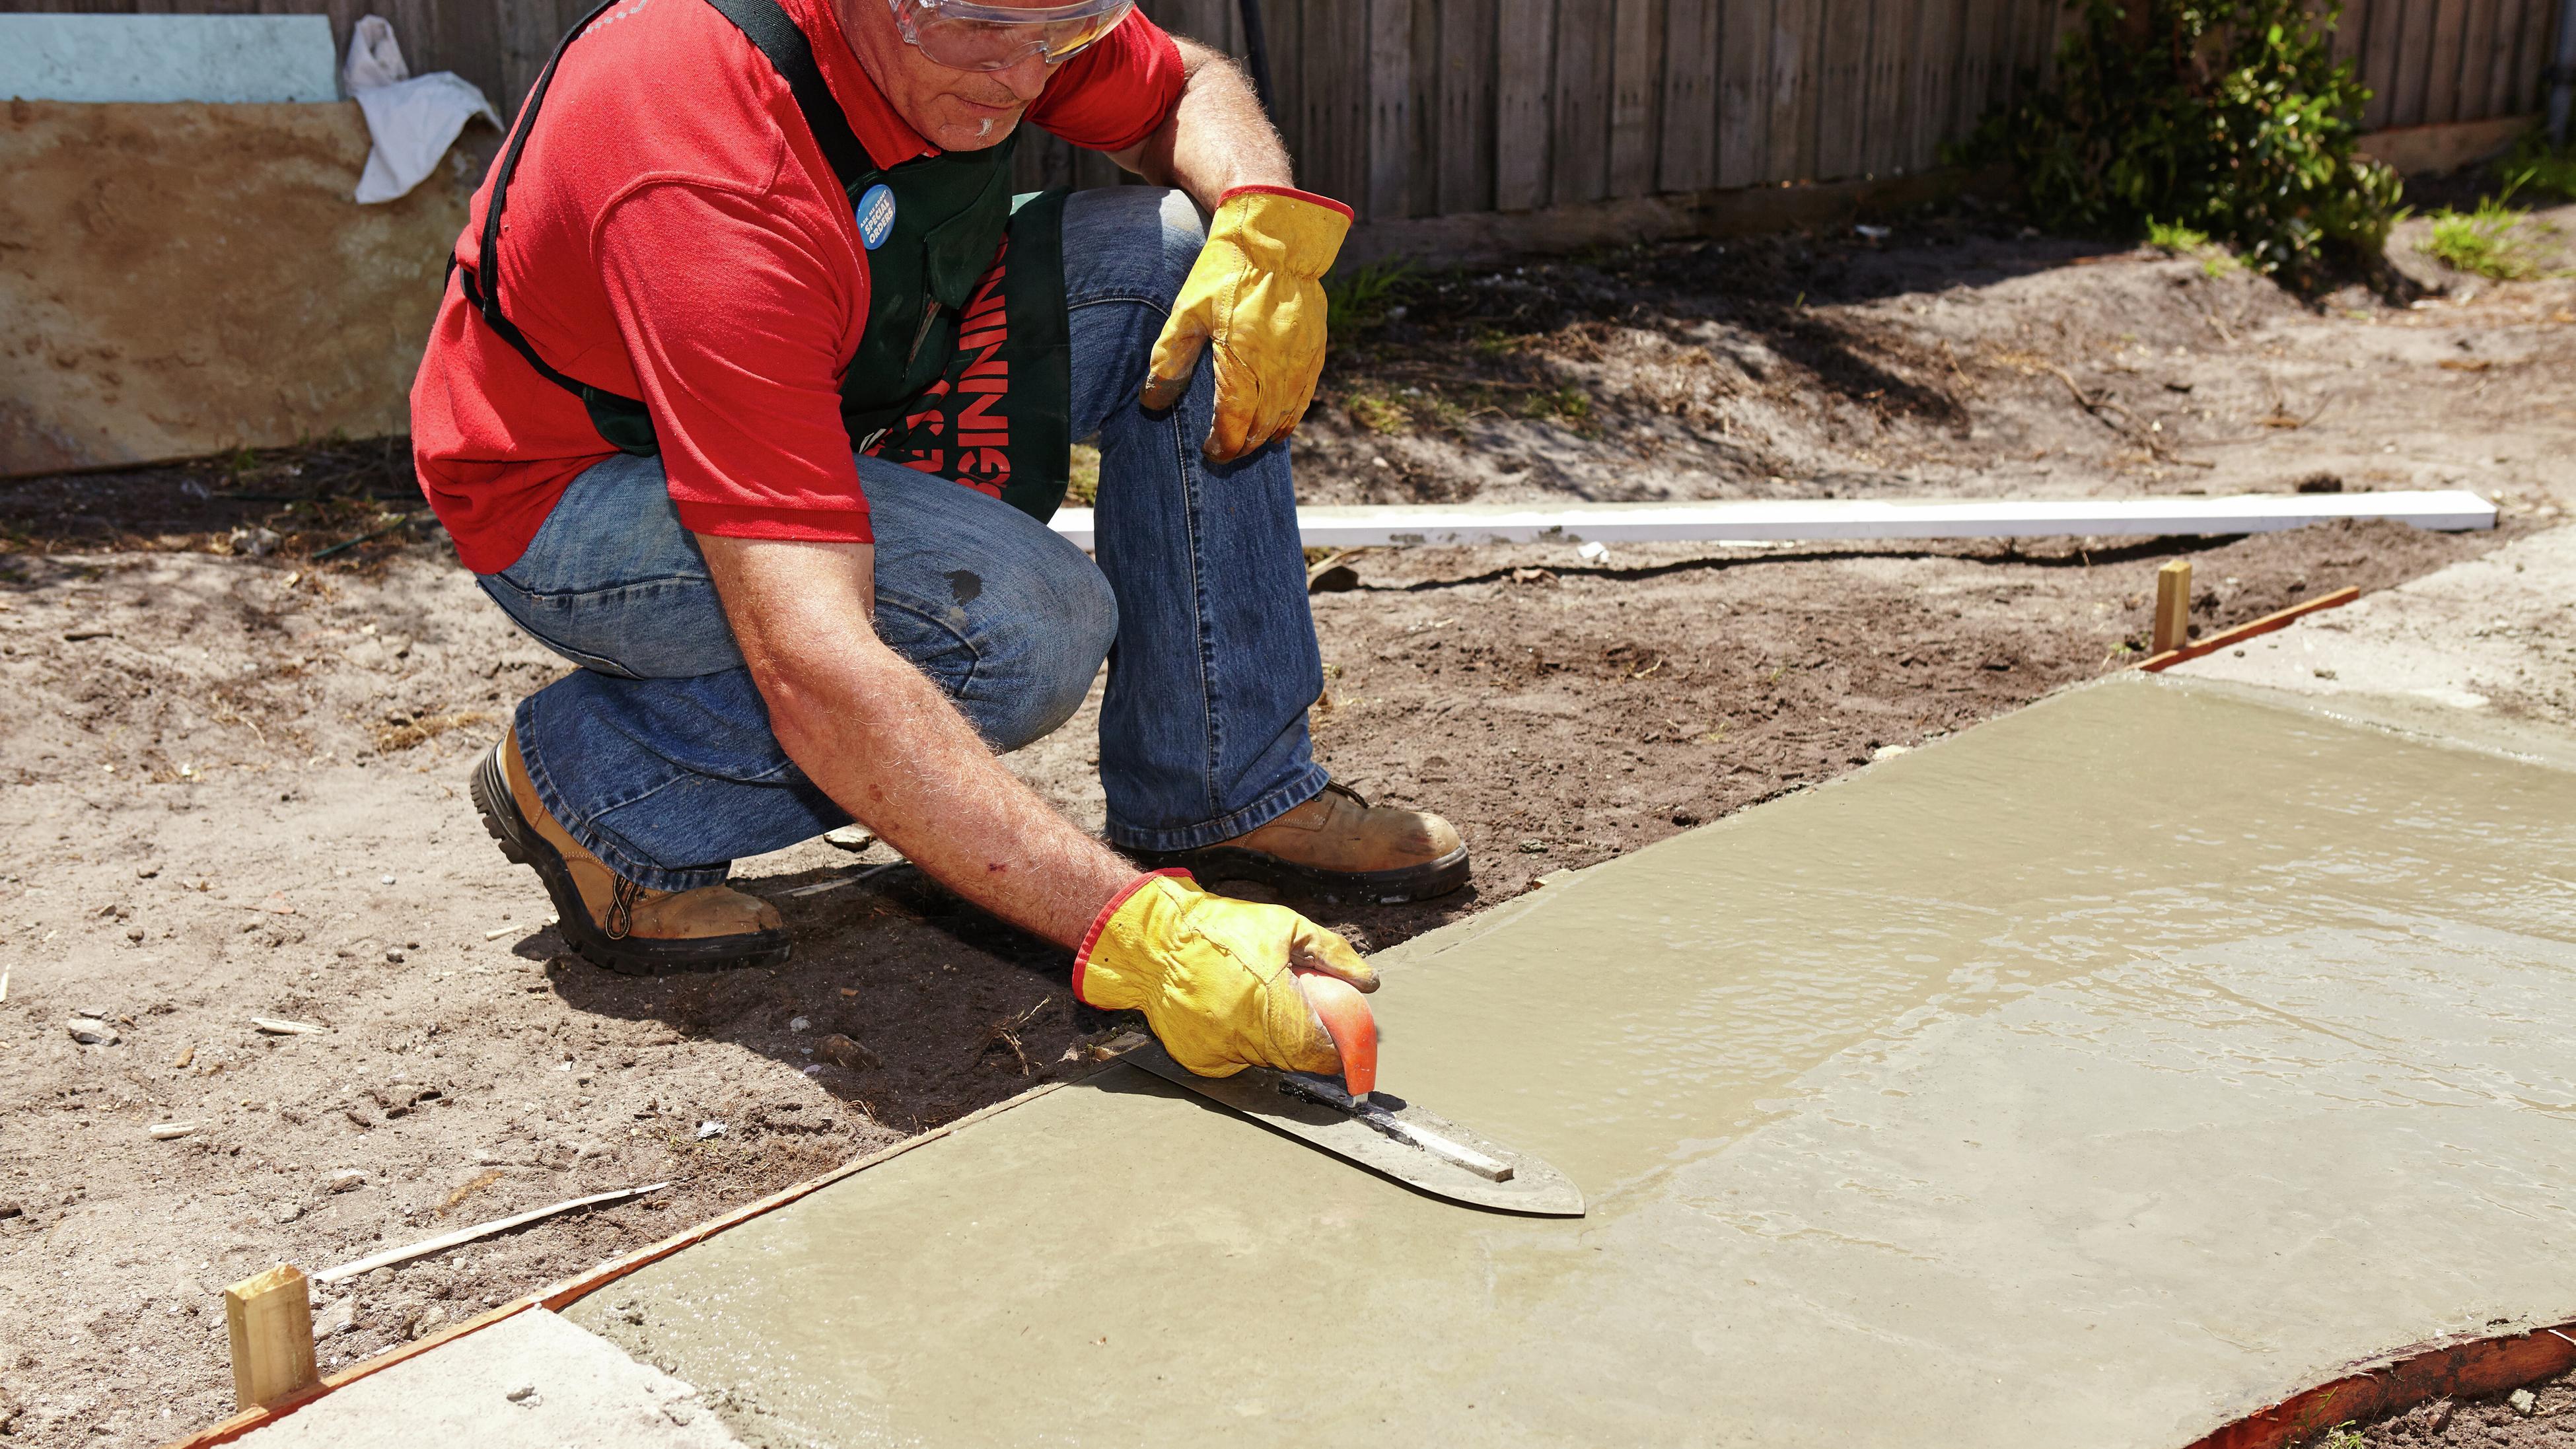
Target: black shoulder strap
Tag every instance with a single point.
(769, 29)
(767, 26)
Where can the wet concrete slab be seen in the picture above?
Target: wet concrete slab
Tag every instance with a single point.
(2093, 1077)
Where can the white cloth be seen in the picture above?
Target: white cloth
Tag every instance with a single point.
(411, 119)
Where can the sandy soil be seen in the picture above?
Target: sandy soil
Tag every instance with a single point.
(237, 772)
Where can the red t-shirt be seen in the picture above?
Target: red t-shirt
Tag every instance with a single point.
(674, 234)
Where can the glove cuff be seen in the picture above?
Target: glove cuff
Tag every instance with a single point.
(1293, 194)
(1100, 923)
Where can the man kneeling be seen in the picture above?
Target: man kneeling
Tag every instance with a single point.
(750, 393)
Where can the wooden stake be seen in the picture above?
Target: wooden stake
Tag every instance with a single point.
(2211, 644)
(271, 1319)
(2173, 607)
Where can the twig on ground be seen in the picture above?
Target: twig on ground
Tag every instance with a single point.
(462, 1236)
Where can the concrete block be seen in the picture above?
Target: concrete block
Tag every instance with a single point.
(183, 279)
(229, 58)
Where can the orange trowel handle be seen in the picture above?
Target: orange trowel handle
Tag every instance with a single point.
(1345, 1015)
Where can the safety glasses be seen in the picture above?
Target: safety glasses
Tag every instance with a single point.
(963, 35)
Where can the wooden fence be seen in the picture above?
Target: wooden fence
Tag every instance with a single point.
(1412, 108)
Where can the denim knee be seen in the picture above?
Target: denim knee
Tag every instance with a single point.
(1049, 655)
(1130, 244)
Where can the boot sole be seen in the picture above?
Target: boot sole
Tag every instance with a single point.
(1333, 887)
(522, 845)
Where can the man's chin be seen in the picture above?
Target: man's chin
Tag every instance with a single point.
(981, 132)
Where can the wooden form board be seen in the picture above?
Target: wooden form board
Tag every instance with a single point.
(1765, 520)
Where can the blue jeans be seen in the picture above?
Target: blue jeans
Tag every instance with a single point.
(657, 753)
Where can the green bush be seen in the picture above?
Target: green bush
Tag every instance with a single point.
(2230, 118)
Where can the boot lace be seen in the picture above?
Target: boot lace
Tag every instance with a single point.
(621, 908)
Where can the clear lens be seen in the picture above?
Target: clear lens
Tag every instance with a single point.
(991, 37)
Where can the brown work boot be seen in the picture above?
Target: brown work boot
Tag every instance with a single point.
(1339, 848)
(609, 920)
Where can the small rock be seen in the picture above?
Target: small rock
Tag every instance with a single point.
(339, 1318)
(2523, 1402)
(90, 1031)
(680, 1414)
(799, 1024)
(256, 542)
(842, 1051)
(11, 1209)
(710, 1129)
(849, 837)
(134, 934)
(1593, 553)
(384, 880)
(1533, 847)
(358, 1115)
(288, 1212)
(427, 1323)
(2322, 672)
(167, 1131)
(395, 957)
(280, 1026)
(345, 1179)
(525, 1395)
(146, 872)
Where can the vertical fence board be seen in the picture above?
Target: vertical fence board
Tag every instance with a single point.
(1977, 82)
(2477, 50)
(1796, 44)
(1422, 81)
(1744, 92)
(1842, 87)
(2442, 62)
(2531, 55)
(1387, 139)
(1285, 22)
(2381, 21)
(1469, 132)
(2414, 64)
(1885, 147)
(2498, 59)
(1636, 91)
(1525, 63)
(1936, 81)
(1582, 119)
(1686, 151)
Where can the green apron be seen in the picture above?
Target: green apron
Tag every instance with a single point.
(964, 369)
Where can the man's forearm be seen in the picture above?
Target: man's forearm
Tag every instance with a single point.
(871, 732)
(1216, 139)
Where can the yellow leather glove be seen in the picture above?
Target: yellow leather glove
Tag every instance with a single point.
(1255, 294)
(1214, 976)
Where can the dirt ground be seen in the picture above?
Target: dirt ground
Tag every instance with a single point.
(237, 766)
(2542, 1416)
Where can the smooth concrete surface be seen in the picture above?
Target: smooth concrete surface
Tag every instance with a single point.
(223, 58)
(2093, 1077)
(185, 279)
(574, 1392)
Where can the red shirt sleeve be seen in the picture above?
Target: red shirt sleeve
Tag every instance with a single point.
(1113, 95)
(716, 296)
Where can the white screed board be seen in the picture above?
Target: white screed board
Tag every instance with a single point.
(1774, 520)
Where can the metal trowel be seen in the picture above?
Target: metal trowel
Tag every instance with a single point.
(1346, 1117)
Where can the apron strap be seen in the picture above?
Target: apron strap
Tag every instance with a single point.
(621, 420)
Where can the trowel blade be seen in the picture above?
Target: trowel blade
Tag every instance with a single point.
(1269, 1098)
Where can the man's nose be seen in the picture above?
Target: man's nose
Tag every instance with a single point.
(1027, 78)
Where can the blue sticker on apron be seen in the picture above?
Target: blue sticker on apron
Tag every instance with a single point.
(876, 216)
